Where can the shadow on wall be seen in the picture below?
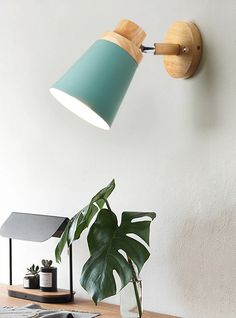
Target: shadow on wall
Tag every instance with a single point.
(205, 90)
(204, 256)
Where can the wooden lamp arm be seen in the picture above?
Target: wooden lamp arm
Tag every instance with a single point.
(165, 49)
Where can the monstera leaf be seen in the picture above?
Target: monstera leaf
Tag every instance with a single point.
(82, 219)
(105, 239)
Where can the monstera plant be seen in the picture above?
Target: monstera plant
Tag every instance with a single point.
(106, 238)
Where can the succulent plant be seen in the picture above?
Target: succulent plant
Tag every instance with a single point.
(34, 269)
(46, 263)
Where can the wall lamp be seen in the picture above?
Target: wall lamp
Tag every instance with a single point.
(94, 87)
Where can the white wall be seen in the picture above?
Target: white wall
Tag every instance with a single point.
(171, 149)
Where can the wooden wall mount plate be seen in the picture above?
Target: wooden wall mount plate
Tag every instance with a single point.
(187, 35)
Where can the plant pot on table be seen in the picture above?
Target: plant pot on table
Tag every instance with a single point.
(31, 281)
(48, 279)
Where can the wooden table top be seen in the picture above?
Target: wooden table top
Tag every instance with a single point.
(106, 310)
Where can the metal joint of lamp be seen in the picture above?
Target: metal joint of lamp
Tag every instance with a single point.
(94, 87)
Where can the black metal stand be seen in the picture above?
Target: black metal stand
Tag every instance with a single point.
(53, 297)
(71, 272)
(10, 261)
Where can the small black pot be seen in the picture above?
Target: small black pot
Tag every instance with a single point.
(48, 279)
(31, 282)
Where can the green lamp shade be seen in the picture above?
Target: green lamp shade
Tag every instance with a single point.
(94, 87)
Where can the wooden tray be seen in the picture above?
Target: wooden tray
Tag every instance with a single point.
(61, 296)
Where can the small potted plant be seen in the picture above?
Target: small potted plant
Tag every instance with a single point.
(31, 279)
(48, 276)
(106, 238)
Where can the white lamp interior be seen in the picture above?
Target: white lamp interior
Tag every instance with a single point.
(79, 108)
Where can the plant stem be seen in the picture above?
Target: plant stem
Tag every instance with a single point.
(134, 281)
(107, 204)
